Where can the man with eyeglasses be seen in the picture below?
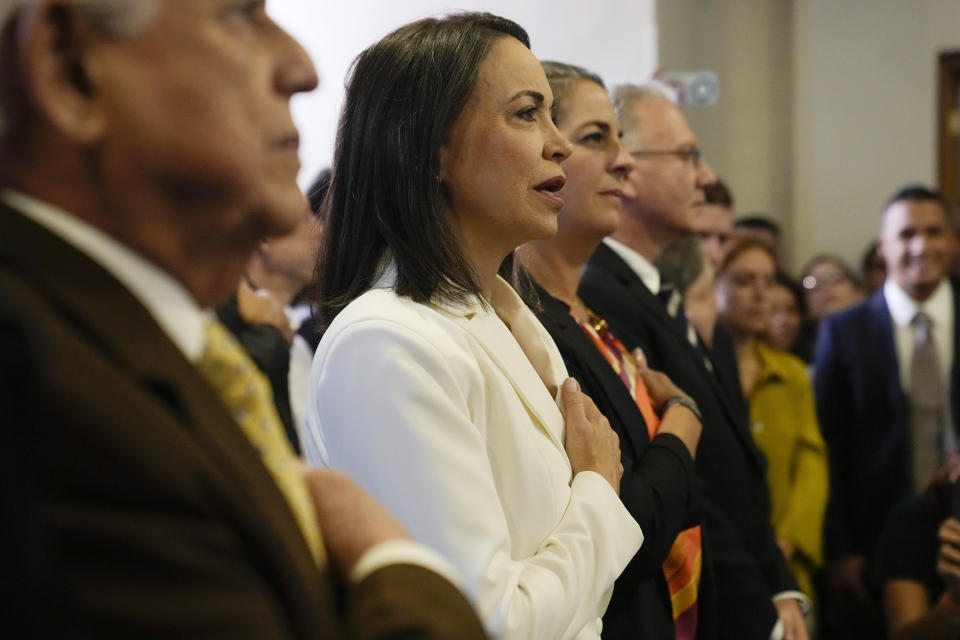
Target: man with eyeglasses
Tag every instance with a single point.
(754, 596)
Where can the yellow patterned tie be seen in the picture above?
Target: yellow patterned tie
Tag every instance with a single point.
(246, 393)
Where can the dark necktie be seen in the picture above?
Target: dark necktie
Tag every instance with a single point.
(665, 295)
(926, 402)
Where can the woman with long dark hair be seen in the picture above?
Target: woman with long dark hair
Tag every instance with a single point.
(434, 386)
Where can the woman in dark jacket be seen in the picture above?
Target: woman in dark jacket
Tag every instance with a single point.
(658, 425)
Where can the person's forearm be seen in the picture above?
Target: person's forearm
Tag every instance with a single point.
(681, 422)
(939, 624)
(660, 493)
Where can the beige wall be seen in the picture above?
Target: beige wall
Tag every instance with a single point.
(746, 134)
(825, 106)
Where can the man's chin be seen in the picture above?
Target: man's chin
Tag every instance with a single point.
(283, 212)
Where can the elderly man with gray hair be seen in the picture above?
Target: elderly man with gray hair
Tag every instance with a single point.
(145, 148)
(755, 596)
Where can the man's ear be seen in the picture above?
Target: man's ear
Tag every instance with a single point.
(56, 58)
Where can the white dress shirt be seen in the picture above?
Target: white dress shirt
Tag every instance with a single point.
(650, 276)
(298, 377)
(184, 322)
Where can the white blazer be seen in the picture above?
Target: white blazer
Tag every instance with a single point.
(438, 412)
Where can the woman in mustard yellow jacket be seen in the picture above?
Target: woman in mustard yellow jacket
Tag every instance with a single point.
(782, 415)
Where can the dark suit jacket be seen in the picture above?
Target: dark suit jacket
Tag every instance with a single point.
(658, 484)
(723, 355)
(865, 417)
(152, 514)
(739, 541)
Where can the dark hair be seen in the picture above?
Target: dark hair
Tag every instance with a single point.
(871, 259)
(758, 222)
(785, 281)
(403, 97)
(740, 246)
(916, 192)
(317, 192)
(562, 77)
(718, 194)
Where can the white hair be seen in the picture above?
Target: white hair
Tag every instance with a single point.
(113, 18)
(627, 95)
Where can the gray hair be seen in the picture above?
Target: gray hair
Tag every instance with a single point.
(112, 18)
(627, 95)
(681, 263)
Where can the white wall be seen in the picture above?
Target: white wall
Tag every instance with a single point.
(746, 135)
(865, 111)
(866, 120)
(615, 38)
(826, 106)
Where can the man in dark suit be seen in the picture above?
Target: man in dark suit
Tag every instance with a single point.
(754, 587)
(871, 396)
(145, 148)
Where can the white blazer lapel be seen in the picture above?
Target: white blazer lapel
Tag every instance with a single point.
(503, 347)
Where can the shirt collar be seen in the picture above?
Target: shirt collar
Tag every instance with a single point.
(170, 304)
(903, 308)
(649, 275)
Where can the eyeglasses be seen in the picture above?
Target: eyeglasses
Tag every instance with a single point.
(684, 154)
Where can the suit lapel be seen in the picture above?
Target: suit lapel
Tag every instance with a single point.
(568, 335)
(124, 331)
(502, 347)
(885, 370)
(608, 261)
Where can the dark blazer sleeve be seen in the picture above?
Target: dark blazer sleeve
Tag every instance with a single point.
(410, 602)
(659, 485)
(834, 399)
(724, 358)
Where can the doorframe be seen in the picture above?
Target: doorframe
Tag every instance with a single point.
(948, 127)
